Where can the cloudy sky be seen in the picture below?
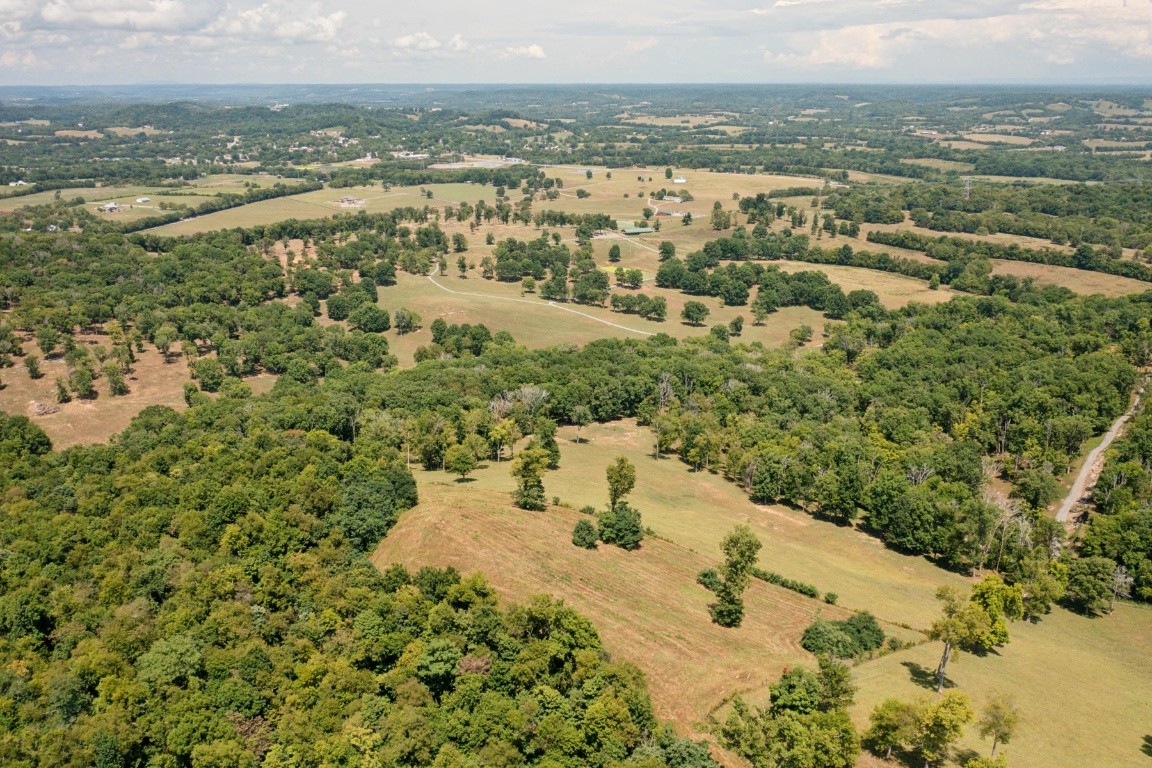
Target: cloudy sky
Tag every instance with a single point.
(449, 41)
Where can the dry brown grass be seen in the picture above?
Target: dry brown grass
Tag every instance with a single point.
(645, 604)
(649, 610)
(998, 138)
(147, 130)
(1078, 280)
(84, 422)
(72, 134)
(942, 165)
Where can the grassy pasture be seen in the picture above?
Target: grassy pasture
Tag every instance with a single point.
(1078, 280)
(536, 323)
(195, 192)
(998, 138)
(607, 196)
(84, 422)
(73, 134)
(940, 165)
(649, 610)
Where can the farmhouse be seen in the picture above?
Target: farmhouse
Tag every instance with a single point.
(143, 199)
(109, 208)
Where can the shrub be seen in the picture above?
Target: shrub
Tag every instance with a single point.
(844, 639)
(807, 590)
(584, 535)
(829, 637)
(621, 526)
(709, 579)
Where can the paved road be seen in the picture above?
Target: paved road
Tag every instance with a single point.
(1080, 487)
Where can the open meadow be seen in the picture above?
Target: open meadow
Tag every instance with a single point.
(649, 610)
(152, 381)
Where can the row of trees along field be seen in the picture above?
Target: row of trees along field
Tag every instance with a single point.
(1103, 214)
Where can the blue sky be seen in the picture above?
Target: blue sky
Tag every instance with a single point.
(442, 41)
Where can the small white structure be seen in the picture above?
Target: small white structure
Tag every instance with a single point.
(679, 180)
(20, 183)
(143, 199)
(109, 208)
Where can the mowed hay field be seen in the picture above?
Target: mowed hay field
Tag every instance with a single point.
(537, 323)
(650, 611)
(194, 193)
(607, 196)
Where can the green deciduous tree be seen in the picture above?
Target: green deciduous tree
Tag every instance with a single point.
(694, 313)
(460, 460)
(740, 548)
(941, 724)
(999, 720)
(621, 480)
(1089, 588)
(528, 468)
(963, 626)
(621, 525)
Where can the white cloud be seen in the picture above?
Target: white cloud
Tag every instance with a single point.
(533, 51)
(718, 40)
(421, 41)
(280, 21)
(139, 15)
(18, 59)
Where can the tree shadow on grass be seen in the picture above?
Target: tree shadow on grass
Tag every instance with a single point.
(923, 676)
(963, 756)
(1147, 747)
(462, 480)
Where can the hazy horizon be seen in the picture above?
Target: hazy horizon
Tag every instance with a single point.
(76, 43)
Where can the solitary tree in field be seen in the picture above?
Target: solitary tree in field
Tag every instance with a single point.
(460, 460)
(962, 626)
(621, 480)
(581, 416)
(694, 313)
(999, 720)
(32, 363)
(614, 253)
(528, 469)
(740, 549)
